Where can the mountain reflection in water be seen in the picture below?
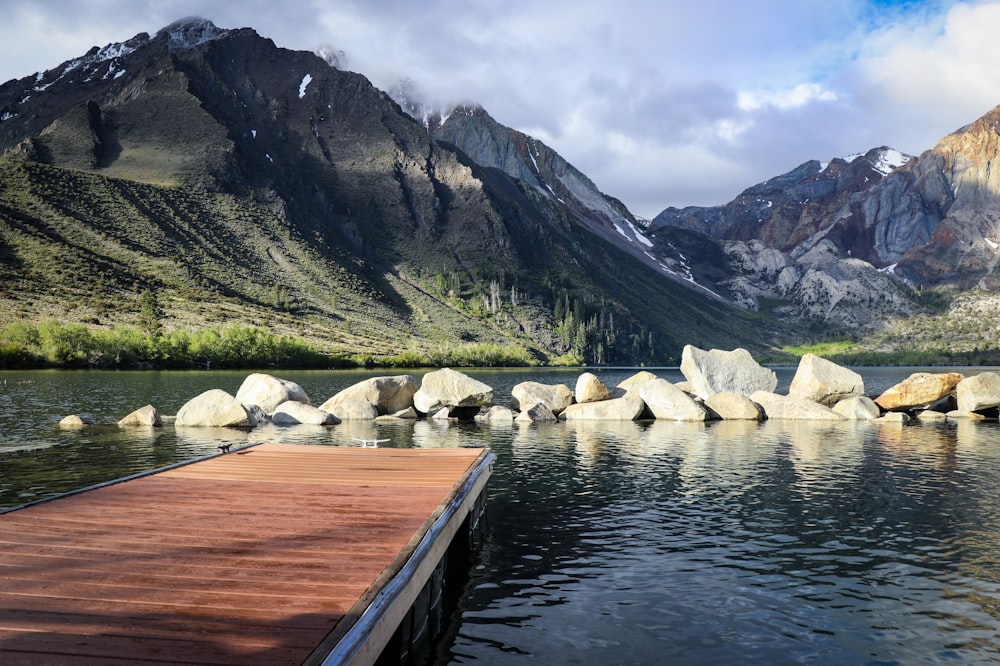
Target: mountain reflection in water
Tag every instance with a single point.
(640, 543)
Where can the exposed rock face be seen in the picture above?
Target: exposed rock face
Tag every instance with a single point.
(452, 389)
(214, 408)
(267, 392)
(731, 406)
(825, 382)
(791, 407)
(590, 389)
(297, 413)
(981, 391)
(388, 394)
(627, 408)
(668, 402)
(556, 397)
(918, 391)
(858, 408)
(715, 371)
(143, 417)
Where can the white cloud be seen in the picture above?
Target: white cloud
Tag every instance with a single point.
(669, 103)
(784, 100)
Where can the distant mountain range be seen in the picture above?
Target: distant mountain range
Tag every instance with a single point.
(244, 183)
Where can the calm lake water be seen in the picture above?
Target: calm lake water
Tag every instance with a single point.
(636, 543)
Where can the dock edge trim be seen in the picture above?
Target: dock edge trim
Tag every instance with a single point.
(352, 644)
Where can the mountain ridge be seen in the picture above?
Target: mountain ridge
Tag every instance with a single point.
(342, 217)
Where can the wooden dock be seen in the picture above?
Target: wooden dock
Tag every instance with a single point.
(272, 554)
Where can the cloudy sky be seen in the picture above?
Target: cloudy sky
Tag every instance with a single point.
(671, 103)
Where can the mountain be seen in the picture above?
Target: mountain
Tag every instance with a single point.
(861, 245)
(244, 183)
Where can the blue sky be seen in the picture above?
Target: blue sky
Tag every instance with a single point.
(670, 103)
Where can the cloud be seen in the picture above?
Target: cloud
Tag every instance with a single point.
(669, 103)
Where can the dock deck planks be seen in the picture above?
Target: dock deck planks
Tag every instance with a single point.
(248, 557)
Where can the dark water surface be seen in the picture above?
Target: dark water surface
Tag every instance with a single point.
(637, 543)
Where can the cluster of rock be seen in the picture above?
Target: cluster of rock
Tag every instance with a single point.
(718, 385)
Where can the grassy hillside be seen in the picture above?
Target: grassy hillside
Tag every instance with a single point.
(78, 247)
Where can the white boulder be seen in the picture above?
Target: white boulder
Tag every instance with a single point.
(824, 381)
(668, 402)
(452, 389)
(715, 371)
(267, 392)
(214, 408)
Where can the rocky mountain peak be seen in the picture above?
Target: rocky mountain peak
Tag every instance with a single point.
(190, 32)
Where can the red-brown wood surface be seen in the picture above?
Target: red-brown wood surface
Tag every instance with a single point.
(248, 558)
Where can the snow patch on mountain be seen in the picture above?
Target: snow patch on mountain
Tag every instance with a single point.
(889, 160)
(306, 80)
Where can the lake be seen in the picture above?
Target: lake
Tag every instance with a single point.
(635, 543)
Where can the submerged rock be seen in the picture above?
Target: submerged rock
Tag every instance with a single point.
(74, 421)
(143, 417)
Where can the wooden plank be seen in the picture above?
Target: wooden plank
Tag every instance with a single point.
(249, 557)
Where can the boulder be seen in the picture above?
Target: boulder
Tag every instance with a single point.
(858, 408)
(731, 406)
(146, 417)
(901, 418)
(450, 388)
(792, 407)
(918, 391)
(978, 392)
(214, 408)
(590, 389)
(931, 416)
(388, 394)
(296, 413)
(627, 408)
(668, 402)
(443, 414)
(537, 413)
(267, 392)
(632, 384)
(824, 381)
(354, 410)
(407, 414)
(715, 371)
(496, 414)
(963, 415)
(556, 397)
(74, 421)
